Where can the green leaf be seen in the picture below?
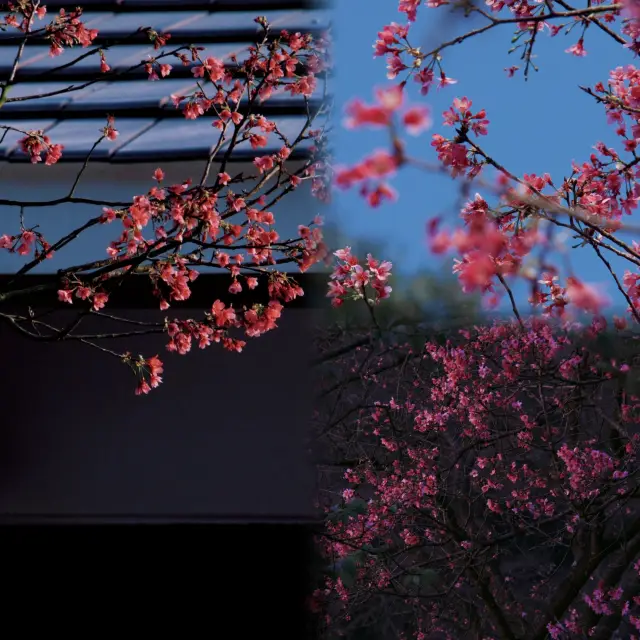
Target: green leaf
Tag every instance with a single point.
(420, 579)
(347, 570)
(427, 577)
(410, 580)
(356, 507)
(632, 383)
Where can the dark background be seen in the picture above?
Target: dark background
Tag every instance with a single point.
(223, 436)
(187, 510)
(227, 581)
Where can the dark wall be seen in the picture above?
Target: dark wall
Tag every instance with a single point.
(224, 435)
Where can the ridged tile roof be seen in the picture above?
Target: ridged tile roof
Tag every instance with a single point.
(150, 127)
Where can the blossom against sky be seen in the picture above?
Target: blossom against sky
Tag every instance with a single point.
(536, 126)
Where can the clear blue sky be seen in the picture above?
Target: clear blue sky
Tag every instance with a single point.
(536, 126)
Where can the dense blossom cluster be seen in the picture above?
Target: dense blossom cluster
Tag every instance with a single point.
(65, 30)
(478, 477)
(171, 231)
(350, 279)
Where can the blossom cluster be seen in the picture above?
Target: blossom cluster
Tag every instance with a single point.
(172, 231)
(350, 279)
(472, 446)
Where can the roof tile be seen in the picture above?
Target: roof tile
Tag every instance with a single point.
(186, 140)
(146, 120)
(79, 136)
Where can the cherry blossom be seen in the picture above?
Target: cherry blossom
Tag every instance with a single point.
(473, 464)
(170, 232)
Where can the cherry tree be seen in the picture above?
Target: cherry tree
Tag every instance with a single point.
(224, 221)
(483, 482)
(483, 485)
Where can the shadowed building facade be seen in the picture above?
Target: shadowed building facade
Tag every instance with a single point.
(224, 438)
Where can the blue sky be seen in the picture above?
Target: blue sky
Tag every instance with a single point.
(536, 126)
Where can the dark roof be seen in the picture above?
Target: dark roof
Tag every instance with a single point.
(149, 126)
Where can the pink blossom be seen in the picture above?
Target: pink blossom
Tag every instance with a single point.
(416, 120)
(585, 296)
(65, 295)
(577, 49)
